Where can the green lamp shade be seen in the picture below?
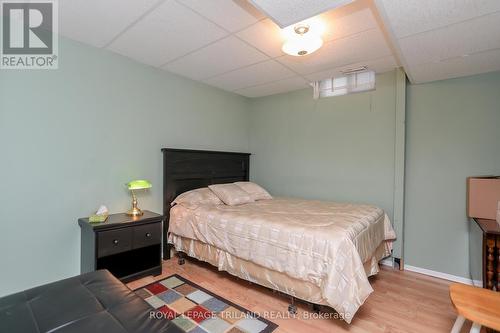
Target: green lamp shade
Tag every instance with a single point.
(139, 185)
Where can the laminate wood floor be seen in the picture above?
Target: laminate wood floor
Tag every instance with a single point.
(402, 301)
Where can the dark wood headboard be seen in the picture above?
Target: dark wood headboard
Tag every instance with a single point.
(185, 170)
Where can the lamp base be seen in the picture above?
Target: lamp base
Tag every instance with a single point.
(135, 212)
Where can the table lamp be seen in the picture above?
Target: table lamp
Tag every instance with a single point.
(137, 185)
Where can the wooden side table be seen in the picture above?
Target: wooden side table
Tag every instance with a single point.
(478, 305)
(491, 253)
(129, 247)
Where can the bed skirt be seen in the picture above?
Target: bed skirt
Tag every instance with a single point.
(263, 276)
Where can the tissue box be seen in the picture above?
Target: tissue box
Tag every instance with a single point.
(483, 195)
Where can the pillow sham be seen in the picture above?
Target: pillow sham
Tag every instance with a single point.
(231, 194)
(256, 192)
(194, 198)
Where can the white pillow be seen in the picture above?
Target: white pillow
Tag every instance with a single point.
(194, 198)
(231, 194)
(255, 191)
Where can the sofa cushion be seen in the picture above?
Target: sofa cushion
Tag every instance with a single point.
(92, 302)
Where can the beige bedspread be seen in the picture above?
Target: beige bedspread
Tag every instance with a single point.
(323, 243)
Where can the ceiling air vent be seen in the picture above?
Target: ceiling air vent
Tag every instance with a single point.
(354, 70)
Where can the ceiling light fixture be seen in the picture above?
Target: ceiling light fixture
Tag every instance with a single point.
(303, 39)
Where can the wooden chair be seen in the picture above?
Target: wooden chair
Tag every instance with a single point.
(481, 306)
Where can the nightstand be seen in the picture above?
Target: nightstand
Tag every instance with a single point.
(129, 247)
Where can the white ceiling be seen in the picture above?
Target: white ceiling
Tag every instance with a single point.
(288, 12)
(226, 43)
(231, 45)
(437, 40)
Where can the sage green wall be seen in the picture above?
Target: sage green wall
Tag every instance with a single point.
(342, 148)
(339, 148)
(71, 138)
(453, 131)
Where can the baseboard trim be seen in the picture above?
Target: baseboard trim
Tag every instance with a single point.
(387, 262)
(477, 283)
(443, 276)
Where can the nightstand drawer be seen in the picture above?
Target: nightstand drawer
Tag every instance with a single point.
(127, 246)
(146, 235)
(113, 241)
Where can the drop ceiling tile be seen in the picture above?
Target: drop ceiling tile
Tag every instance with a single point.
(220, 57)
(264, 35)
(169, 31)
(232, 15)
(253, 75)
(414, 16)
(97, 22)
(348, 20)
(476, 35)
(381, 65)
(287, 12)
(342, 22)
(276, 87)
(358, 48)
(483, 62)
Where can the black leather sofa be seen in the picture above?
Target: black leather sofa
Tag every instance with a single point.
(89, 303)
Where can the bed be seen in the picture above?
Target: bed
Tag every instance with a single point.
(320, 252)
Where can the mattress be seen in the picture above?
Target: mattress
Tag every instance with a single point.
(322, 243)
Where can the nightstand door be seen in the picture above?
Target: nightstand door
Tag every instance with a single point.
(113, 241)
(146, 235)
